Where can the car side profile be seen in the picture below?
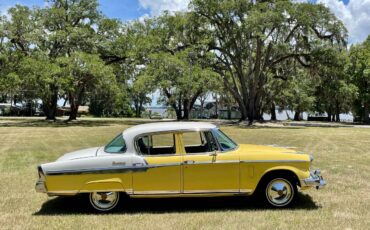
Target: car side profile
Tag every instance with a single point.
(178, 159)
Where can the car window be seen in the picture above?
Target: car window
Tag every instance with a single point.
(117, 145)
(198, 142)
(193, 138)
(157, 144)
(224, 141)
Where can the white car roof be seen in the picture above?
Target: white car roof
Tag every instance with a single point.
(166, 126)
(130, 133)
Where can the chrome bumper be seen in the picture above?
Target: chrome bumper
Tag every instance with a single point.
(40, 186)
(315, 180)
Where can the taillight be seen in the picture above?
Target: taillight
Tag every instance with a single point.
(41, 173)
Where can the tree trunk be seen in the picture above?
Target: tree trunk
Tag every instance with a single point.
(138, 114)
(329, 116)
(50, 106)
(366, 113)
(297, 116)
(178, 114)
(74, 108)
(216, 106)
(136, 105)
(273, 112)
(337, 111)
(253, 111)
(228, 112)
(75, 103)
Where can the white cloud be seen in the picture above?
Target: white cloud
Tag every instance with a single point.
(157, 7)
(355, 16)
(4, 10)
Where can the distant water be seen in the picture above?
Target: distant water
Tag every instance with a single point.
(281, 116)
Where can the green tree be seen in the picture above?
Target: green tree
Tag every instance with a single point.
(82, 73)
(360, 70)
(297, 93)
(335, 93)
(178, 63)
(250, 38)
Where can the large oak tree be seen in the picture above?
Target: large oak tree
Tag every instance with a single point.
(251, 38)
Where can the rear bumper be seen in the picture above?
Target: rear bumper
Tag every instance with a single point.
(315, 180)
(40, 186)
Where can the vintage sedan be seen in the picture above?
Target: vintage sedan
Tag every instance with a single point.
(178, 159)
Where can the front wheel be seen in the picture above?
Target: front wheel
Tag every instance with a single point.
(279, 192)
(104, 201)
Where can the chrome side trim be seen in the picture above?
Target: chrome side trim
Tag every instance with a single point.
(209, 162)
(126, 169)
(273, 161)
(63, 193)
(156, 192)
(212, 191)
(216, 194)
(109, 170)
(246, 191)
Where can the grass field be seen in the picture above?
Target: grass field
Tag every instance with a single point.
(343, 155)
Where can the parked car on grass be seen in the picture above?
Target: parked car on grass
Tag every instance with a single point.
(178, 159)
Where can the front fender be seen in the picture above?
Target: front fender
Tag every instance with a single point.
(301, 174)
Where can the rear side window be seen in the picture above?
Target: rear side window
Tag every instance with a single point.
(157, 144)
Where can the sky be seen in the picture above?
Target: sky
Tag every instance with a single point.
(354, 13)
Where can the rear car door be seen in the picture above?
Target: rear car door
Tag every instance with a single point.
(162, 173)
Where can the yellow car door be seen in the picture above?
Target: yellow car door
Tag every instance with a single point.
(162, 173)
(206, 169)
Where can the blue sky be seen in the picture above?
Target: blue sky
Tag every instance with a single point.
(122, 9)
(354, 13)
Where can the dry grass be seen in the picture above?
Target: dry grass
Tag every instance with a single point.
(343, 154)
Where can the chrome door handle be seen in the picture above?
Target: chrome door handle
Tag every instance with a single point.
(189, 162)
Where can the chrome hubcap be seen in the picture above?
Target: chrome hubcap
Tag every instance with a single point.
(104, 201)
(279, 192)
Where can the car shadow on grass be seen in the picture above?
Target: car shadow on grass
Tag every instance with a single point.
(80, 205)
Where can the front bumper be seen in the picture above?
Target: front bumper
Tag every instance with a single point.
(40, 186)
(315, 180)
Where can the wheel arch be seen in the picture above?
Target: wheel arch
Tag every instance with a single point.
(289, 172)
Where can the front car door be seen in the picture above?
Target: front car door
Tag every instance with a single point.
(162, 172)
(209, 166)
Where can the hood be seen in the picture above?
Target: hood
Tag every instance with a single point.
(271, 152)
(83, 153)
(267, 149)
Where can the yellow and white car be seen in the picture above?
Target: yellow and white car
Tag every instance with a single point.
(178, 159)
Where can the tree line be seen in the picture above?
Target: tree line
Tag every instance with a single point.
(257, 54)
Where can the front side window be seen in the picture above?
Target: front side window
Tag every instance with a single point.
(117, 145)
(199, 142)
(224, 141)
(157, 144)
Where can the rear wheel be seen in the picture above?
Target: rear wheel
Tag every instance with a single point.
(104, 201)
(278, 191)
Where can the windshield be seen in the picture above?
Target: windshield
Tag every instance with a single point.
(117, 145)
(225, 142)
